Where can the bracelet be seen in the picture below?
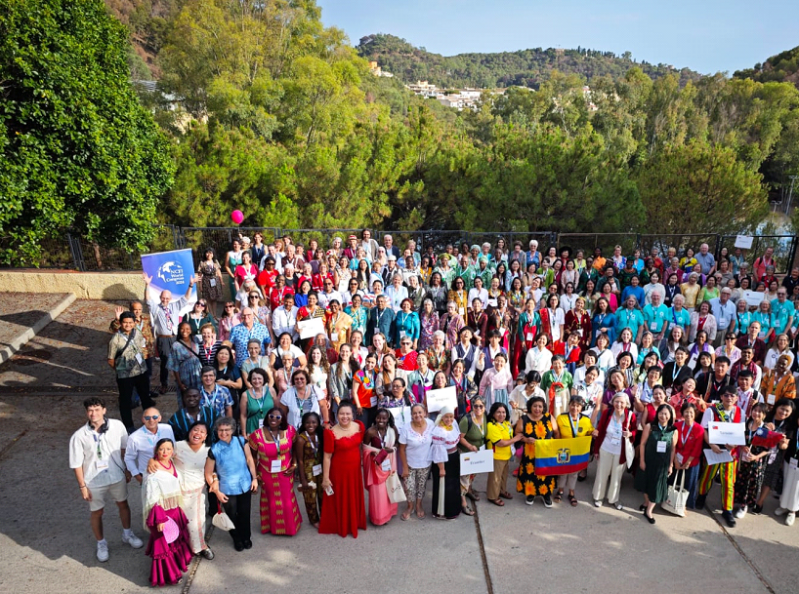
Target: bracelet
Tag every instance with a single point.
(82, 486)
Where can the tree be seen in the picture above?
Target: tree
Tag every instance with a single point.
(78, 153)
(699, 188)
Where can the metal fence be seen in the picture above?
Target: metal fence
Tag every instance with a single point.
(75, 253)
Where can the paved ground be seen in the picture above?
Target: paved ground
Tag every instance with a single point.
(46, 543)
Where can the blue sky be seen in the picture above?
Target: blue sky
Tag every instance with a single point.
(705, 35)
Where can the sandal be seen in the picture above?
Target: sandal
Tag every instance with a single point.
(572, 500)
(472, 495)
(405, 515)
(420, 514)
(582, 477)
(505, 495)
(465, 509)
(558, 496)
(497, 502)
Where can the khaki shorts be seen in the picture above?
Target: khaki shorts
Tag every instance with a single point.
(119, 491)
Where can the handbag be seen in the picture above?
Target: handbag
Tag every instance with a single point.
(677, 497)
(629, 449)
(222, 521)
(394, 489)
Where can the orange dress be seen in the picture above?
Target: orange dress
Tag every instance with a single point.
(344, 512)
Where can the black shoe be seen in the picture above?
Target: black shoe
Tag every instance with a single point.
(247, 544)
(757, 509)
(700, 501)
(547, 500)
(582, 477)
(649, 519)
(727, 515)
(238, 546)
(642, 507)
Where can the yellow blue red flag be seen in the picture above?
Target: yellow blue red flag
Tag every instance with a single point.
(561, 456)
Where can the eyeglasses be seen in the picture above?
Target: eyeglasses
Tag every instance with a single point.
(152, 417)
(478, 406)
(275, 416)
(253, 296)
(228, 307)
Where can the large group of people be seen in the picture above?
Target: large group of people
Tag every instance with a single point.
(314, 379)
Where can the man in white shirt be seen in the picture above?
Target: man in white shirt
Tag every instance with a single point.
(165, 316)
(96, 451)
(328, 294)
(141, 445)
(724, 310)
(284, 318)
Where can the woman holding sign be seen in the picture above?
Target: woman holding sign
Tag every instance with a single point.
(535, 425)
(446, 460)
(473, 428)
(656, 460)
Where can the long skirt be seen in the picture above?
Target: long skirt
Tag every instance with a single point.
(790, 488)
(194, 508)
(448, 501)
(170, 560)
(280, 513)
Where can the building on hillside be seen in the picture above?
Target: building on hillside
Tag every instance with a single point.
(377, 71)
(423, 88)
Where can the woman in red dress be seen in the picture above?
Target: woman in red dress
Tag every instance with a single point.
(343, 508)
(578, 321)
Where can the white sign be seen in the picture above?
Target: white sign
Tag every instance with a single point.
(753, 298)
(744, 242)
(721, 458)
(311, 327)
(402, 416)
(726, 433)
(477, 462)
(438, 399)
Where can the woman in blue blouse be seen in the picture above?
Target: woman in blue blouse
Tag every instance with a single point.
(603, 322)
(406, 324)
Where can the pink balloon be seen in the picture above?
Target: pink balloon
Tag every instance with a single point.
(237, 216)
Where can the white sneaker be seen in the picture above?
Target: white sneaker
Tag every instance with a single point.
(102, 551)
(618, 506)
(597, 503)
(790, 518)
(133, 540)
(780, 511)
(741, 512)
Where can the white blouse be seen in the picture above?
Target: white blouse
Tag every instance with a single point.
(417, 447)
(443, 441)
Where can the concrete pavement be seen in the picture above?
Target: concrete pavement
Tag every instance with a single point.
(46, 543)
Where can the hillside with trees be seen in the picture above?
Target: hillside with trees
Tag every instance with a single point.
(784, 67)
(262, 108)
(526, 68)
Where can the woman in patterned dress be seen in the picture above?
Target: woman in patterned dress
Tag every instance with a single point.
(209, 274)
(536, 424)
(275, 466)
(308, 448)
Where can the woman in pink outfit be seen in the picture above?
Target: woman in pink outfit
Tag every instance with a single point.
(380, 461)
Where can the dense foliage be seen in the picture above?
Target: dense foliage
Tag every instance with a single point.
(78, 152)
(527, 68)
(784, 67)
(270, 112)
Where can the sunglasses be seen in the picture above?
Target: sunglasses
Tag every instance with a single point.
(273, 416)
(152, 418)
(228, 307)
(478, 406)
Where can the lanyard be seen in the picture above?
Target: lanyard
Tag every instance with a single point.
(312, 443)
(684, 437)
(675, 372)
(99, 442)
(574, 426)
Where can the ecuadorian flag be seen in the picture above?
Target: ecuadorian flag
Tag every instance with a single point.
(561, 456)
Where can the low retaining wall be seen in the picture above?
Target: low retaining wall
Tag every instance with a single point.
(112, 286)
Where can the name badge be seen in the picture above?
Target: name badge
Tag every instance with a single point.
(139, 359)
(771, 398)
(212, 282)
(529, 337)
(653, 326)
(275, 466)
(101, 465)
(373, 401)
(403, 334)
(317, 469)
(334, 336)
(386, 465)
(662, 447)
(461, 311)
(260, 423)
(679, 458)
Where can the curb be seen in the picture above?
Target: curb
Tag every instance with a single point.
(8, 351)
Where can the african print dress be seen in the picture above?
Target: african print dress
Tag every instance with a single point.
(529, 482)
(280, 513)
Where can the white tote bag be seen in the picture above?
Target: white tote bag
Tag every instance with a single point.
(677, 497)
(394, 489)
(222, 521)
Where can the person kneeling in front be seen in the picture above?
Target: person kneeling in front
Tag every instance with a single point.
(96, 451)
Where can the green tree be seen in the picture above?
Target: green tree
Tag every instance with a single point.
(78, 152)
(699, 188)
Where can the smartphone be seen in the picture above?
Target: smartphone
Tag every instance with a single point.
(329, 491)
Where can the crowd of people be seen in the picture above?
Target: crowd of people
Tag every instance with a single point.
(313, 380)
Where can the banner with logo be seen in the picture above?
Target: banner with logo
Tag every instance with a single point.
(171, 271)
(561, 456)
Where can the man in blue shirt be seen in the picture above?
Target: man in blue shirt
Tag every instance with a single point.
(723, 309)
(706, 260)
(248, 330)
(783, 311)
(215, 397)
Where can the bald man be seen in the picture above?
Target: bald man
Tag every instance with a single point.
(165, 315)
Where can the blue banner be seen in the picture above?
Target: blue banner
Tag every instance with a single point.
(171, 271)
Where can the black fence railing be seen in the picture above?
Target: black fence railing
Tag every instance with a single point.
(74, 253)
